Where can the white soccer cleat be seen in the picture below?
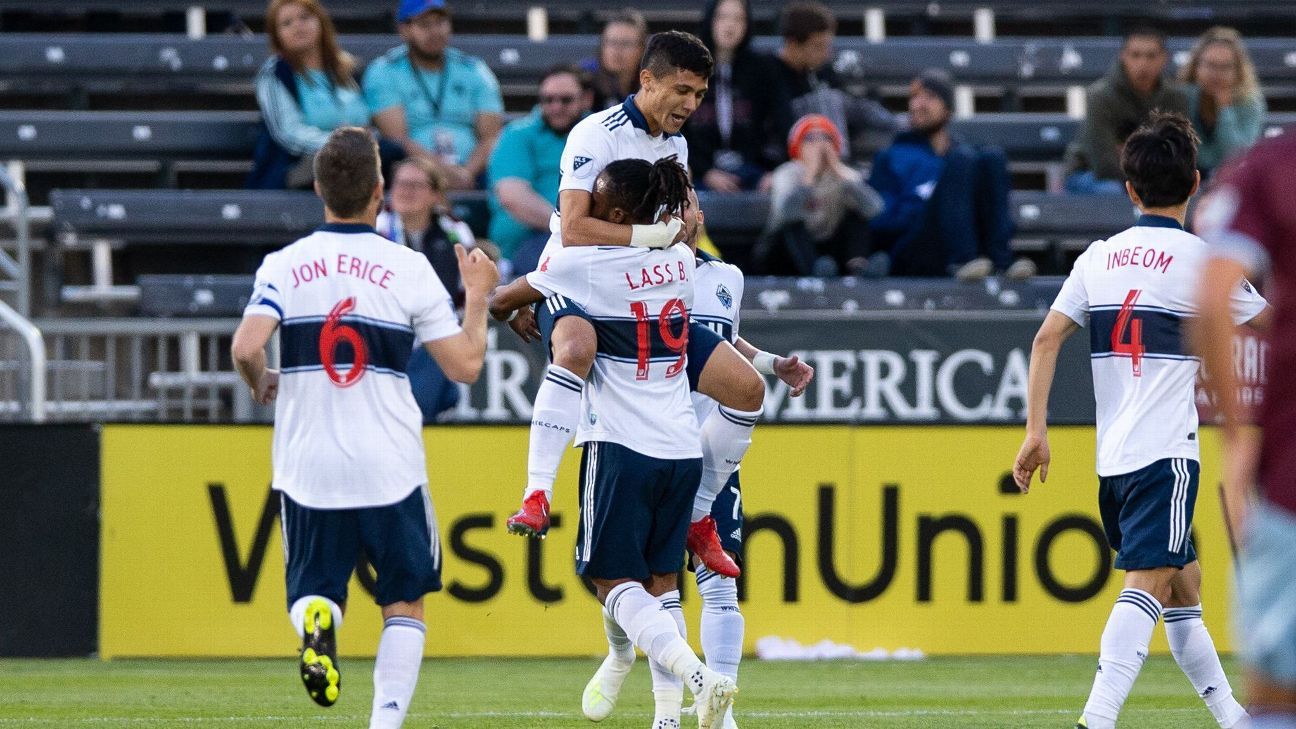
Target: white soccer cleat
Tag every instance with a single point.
(600, 696)
(714, 700)
(729, 722)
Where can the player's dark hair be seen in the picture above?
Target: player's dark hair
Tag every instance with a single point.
(676, 50)
(1160, 159)
(1144, 30)
(800, 20)
(346, 170)
(644, 188)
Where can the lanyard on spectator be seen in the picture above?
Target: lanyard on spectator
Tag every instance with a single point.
(441, 87)
(724, 104)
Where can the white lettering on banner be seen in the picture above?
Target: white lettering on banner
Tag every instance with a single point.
(885, 373)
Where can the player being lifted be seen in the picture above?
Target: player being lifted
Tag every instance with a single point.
(1137, 291)
(718, 300)
(673, 79)
(642, 459)
(348, 437)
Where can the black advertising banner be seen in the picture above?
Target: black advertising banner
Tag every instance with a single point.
(871, 367)
(49, 536)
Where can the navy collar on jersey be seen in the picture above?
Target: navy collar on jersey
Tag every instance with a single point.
(705, 257)
(1158, 221)
(346, 228)
(637, 118)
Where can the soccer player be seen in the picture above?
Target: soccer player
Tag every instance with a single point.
(1249, 222)
(673, 79)
(1136, 291)
(717, 303)
(642, 460)
(348, 447)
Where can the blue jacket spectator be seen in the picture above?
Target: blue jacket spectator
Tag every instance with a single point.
(524, 170)
(945, 202)
(305, 91)
(435, 101)
(1224, 100)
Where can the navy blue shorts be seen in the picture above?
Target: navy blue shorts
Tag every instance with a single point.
(1148, 514)
(701, 345)
(549, 311)
(634, 512)
(322, 546)
(727, 510)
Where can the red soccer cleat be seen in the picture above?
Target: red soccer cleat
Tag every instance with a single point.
(705, 543)
(532, 520)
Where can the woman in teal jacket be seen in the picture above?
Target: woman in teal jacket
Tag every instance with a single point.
(1224, 100)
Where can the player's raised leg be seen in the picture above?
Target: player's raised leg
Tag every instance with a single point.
(727, 377)
(557, 408)
(1194, 651)
(319, 554)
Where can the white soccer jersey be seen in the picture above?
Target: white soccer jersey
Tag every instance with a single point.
(600, 139)
(351, 307)
(717, 299)
(638, 301)
(1135, 291)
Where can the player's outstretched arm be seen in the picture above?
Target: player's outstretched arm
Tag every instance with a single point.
(248, 352)
(512, 304)
(579, 228)
(460, 356)
(791, 370)
(1034, 453)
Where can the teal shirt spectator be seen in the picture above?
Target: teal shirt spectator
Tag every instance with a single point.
(441, 107)
(530, 150)
(301, 119)
(1237, 127)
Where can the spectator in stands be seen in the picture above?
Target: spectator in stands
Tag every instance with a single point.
(1117, 105)
(419, 217)
(615, 72)
(808, 85)
(524, 170)
(946, 201)
(819, 207)
(437, 102)
(1224, 99)
(732, 137)
(306, 89)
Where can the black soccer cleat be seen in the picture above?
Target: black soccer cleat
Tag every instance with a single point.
(319, 670)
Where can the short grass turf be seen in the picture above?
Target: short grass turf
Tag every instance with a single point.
(998, 692)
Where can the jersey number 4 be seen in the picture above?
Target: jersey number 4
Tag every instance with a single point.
(333, 335)
(1127, 322)
(643, 335)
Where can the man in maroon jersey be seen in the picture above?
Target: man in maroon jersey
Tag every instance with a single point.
(1250, 221)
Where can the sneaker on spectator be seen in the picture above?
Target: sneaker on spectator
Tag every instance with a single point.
(1020, 270)
(974, 270)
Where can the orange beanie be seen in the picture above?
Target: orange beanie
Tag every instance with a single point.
(812, 123)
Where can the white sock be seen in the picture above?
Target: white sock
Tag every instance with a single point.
(1194, 651)
(553, 425)
(668, 689)
(654, 631)
(1123, 650)
(396, 671)
(297, 613)
(726, 436)
(722, 624)
(619, 645)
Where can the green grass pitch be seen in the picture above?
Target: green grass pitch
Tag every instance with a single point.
(998, 692)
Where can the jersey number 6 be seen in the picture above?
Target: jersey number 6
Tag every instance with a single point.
(1125, 320)
(333, 334)
(675, 343)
